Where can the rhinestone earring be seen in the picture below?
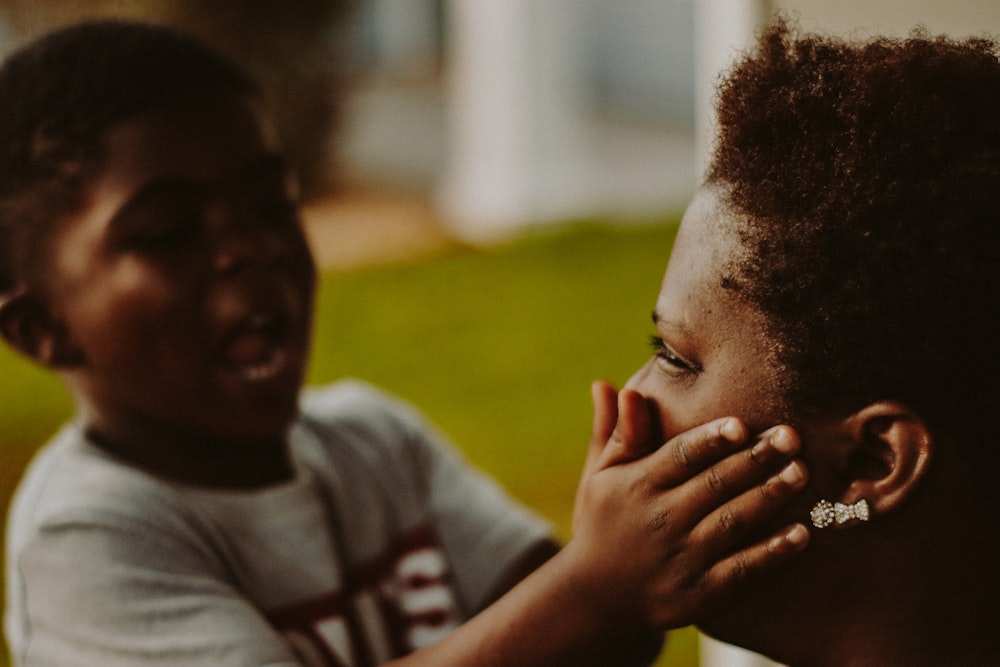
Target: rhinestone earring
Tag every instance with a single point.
(826, 513)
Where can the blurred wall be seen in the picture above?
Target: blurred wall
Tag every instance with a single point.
(294, 48)
(541, 104)
(562, 109)
(861, 18)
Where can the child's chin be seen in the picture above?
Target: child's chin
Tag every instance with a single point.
(270, 404)
(266, 425)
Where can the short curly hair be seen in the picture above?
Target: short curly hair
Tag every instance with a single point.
(59, 96)
(866, 181)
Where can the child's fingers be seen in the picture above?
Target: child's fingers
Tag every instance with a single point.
(730, 523)
(687, 454)
(710, 489)
(760, 557)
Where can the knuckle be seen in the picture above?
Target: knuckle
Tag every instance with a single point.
(716, 482)
(659, 521)
(681, 453)
(690, 578)
(641, 486)
(739, 570)
(728, 521)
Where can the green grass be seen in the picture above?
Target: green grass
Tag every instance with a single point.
(497, 347)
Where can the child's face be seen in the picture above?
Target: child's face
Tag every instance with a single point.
(184, 281)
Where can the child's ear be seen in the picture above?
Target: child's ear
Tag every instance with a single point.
(27, 325)
(891, 449)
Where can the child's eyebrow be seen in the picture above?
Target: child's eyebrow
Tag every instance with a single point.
(271, 166)
(158, 191)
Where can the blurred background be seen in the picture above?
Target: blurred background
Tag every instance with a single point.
(491, 189)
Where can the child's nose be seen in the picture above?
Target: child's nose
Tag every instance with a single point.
(242, 243)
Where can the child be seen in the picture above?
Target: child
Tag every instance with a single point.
(848, 230)
(197, 512)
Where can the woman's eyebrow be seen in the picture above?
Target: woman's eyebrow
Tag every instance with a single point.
(659, 320)
(677, 327)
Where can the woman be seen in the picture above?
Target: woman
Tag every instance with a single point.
(839, 271)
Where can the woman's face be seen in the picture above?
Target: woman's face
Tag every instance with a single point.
(712, 357)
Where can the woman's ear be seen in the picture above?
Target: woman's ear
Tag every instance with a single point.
(891, 449)
(27, 325)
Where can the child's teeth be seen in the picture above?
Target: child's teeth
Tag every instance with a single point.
(263, 371)
(248, 348)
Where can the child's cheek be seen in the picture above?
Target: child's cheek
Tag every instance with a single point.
(129, 308)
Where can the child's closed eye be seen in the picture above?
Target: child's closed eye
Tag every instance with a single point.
(166, 234)
(162, 216)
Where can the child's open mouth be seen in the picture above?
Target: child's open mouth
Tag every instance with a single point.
(259, 347)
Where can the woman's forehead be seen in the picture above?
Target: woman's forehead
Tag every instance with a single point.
(705, 249)
(706, 243)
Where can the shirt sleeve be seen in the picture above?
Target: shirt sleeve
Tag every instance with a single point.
(111, 591)
(482, 529)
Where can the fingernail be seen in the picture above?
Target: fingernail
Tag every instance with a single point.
(783, 441)
(732, 431)
(792, 474)
(799, 534)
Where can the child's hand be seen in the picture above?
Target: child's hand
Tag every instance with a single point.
(661, 530)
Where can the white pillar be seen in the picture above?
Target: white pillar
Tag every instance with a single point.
(723, 29)
(405, 34)
(514, 140)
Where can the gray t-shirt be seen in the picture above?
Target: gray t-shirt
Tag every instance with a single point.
(380, 544)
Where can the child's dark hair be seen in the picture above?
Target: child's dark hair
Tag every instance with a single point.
(867, 180)
(60, 94)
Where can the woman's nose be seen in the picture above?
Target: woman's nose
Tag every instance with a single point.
(635, 382)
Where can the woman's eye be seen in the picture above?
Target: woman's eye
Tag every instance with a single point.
(669, 361)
